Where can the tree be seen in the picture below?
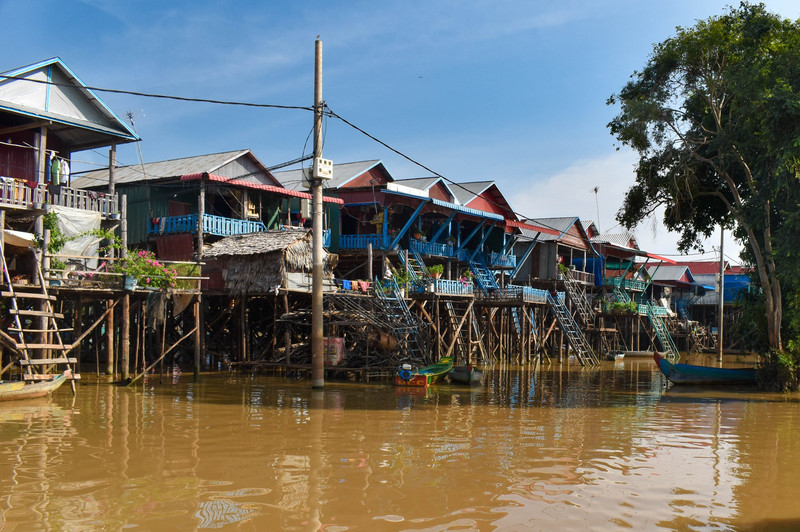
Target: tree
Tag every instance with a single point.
(715, 119)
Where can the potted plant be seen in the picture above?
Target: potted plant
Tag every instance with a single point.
(436, 270)
(143, 269)
(562, 270)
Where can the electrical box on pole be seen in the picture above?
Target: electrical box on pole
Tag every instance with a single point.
(320, 169)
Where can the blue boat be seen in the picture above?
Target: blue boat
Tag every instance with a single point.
(689, 374)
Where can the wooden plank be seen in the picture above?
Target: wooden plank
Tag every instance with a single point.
(48, 361)
(55, 347)
(73, 377)
(60, 329)
(36, 313)
(29, 295)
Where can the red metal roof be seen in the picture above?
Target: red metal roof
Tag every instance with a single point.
(258, 186)
(702, 267)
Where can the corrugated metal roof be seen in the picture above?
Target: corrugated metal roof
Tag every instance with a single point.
(560, 224)
(669, 273)
(420, 183)
(171, 168)
(260, 186)
(79, 117)
(618, 239)
(342, 174)
(466, 192)
(458, 208)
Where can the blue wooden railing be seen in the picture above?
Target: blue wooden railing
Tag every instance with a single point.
(432, 248)
(446, 286)
(361, 241)
(212, 225)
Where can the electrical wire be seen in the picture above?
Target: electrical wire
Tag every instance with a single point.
(163, 96)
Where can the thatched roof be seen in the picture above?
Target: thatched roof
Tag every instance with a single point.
(258, 262)
(258, 243)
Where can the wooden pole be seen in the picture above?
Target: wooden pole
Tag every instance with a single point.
(721, 291)
(198, 340)
(125, 322)
(112, 164)
(110, 338)
(77, 328)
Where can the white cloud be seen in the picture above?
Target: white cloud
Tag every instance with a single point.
(570, 193)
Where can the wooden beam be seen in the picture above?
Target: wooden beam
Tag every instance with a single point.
(36, 124)
(165, 353)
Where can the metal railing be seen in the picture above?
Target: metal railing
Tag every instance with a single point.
(15, 193)
(627, 284)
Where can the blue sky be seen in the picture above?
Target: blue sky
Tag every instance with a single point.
(512, 91)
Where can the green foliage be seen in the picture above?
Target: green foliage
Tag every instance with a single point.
(57, 240)
(715, 118)
(436, 268)
(780, 370)
(619, 307)
(148, 271)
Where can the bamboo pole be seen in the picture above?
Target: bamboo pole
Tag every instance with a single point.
(165, 353)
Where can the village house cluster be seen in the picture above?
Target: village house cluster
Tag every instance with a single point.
(205, 261)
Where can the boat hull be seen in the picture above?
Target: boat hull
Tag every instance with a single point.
(15, 392)
(424, 376)
(690, 374)
(466, 375)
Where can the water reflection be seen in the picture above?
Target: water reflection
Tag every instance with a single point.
(567, 448)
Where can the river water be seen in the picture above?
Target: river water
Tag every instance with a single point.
(565, 448)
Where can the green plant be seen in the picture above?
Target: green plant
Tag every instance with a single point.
(562, 268)
(57, 240)
(148, 271)
(436, 268)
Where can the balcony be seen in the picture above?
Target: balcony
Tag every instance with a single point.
(431, 248)
(16, 194)
(582, 277)
(515, 294)
(500, 260)
(212, 225)
(448, 287)
(626, 284)
(362, 241)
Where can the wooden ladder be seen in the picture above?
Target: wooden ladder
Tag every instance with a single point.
(37, 369)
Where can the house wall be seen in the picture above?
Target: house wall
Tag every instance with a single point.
(373, 177)
(440, 192)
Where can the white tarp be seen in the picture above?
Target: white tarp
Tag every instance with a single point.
(18, 238)
(74, 222)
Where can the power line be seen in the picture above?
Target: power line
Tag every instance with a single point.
(163, 96)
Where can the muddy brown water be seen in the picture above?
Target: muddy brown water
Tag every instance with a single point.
(566, 448)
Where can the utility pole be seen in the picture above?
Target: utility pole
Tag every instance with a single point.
(721, 291)
(317, 369)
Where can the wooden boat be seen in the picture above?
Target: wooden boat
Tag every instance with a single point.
(12, 391)
(466, 374)
(406, 376)
(689, 374)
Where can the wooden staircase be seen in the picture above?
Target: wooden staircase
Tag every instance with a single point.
(35, 331)
(577, 296)
(459, 321)
(405, 326)
(583, 351)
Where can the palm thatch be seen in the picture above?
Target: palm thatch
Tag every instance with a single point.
(259, 262)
